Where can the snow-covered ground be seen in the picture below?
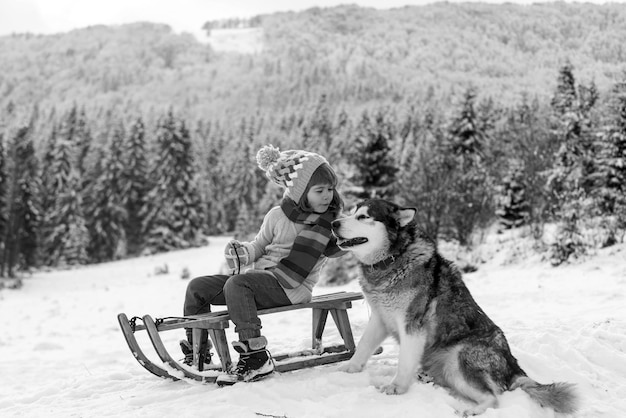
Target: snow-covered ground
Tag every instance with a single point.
(62, 354)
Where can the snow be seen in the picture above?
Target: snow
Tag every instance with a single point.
(62, 353)
(242, 40)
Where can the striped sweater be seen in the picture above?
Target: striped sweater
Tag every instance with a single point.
(274, 242)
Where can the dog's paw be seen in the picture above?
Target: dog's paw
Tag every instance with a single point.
(477, 410)
(423, 377)
(350, 368)
(394, 389)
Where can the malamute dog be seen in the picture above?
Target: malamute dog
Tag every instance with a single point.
(419, 298)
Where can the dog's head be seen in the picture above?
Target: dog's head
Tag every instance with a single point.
(376, 230)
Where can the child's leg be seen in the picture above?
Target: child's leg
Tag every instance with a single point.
(245, 293)
(202, 292)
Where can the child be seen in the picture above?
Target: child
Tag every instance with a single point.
(285, 258)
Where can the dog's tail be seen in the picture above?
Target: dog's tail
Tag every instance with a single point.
(562, 397)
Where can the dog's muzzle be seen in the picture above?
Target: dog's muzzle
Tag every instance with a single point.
(343, 242)
(347, 243)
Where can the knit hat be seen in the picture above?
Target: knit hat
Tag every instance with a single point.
(291, 169)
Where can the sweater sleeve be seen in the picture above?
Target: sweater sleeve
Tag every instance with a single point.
(256, 247)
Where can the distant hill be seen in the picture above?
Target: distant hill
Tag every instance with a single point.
(357, 57)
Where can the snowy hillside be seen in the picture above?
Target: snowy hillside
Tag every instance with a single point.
(242, 40)
(62, 354)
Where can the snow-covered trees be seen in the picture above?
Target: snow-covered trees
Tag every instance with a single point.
(27, 208)
(375, 172)
(512, 207)
(19, 204)
(106, 211)
(113, 184)
(134, 184)
(471, 190)
(609, 192)
(424, 178)
(65, 238)
(173, 216)
(527, 154)
(3, 203)
(64, 232)
(570, 178)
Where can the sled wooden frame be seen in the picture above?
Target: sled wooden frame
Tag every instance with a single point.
(215, 323)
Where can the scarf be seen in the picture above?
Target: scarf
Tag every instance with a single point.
(310, 244)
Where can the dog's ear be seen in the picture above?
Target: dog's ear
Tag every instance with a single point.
(405, 215)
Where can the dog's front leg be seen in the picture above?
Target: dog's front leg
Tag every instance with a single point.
(409, 359)
(375, 333)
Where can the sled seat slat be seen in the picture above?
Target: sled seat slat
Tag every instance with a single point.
(216, 322)
(220, 319)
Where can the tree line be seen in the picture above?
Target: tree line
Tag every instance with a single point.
(75, 190)
(357, 57)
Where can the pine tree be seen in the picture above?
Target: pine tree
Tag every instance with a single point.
(467, 136)
(512, 206)
(68, 128)
(243, 181)
(135, 185)
(28, 206)
(375, 168)
(3, 203)
(610, 179)
(82, 138)
(528, 153)
(8, 255)
(471, 196)
(574, 133)
(20, 238)
(72, 234)
(342, 131)
(425, 178)
(47, 176)
(106, 213)
(65, 232)
(318, 133)
(213, 178)
(564, 101)
(174, 217)
(571, 178)
(74, 128)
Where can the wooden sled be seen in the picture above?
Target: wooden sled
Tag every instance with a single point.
(215, 323)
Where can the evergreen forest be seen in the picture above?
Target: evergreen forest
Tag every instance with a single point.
(118, 141)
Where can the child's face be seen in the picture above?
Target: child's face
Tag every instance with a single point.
(320, 196)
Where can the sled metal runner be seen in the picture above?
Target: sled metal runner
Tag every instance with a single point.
(135, 349)
(215, 323)
(165, 356)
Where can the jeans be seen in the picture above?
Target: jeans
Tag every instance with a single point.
(243, 294)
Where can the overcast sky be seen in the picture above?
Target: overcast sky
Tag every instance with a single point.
(51, 16)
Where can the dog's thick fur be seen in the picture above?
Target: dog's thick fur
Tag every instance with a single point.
(419, 298)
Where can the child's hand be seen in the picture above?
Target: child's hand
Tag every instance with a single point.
(236, 255)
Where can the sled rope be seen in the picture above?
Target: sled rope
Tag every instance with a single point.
(133, 322)
(159, 321)
(238, 259)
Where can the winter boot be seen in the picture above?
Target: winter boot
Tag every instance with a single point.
(255, 362)
(205, 353)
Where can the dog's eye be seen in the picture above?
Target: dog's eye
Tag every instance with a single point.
(361, 217)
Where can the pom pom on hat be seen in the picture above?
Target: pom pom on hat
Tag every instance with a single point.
(267, 156)
(291, 169)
